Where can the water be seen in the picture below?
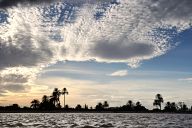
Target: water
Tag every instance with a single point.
(95, 120)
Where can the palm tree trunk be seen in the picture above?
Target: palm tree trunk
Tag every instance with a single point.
(64, 101)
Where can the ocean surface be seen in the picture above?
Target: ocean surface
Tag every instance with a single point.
(95, 120)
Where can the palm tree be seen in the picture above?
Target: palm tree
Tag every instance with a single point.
(45, 104)
(64, 92)
(99, 106)
(78, 107)
(45, 99)
(158, 100)
(86, 107)
(105, 104)
(35, 103)
(138, 103)
(182, 106)
(156, 103)
(130, 103)
(55, 96)
(167, 106)
(174, 107)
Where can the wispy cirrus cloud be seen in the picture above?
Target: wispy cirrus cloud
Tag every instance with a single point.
(119, 73)
(186, 79)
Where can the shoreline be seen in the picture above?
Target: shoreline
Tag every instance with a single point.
(60, 111)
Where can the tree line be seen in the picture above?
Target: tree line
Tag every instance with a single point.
(52, 102)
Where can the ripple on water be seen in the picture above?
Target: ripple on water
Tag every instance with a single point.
(93, 120)
(87, 126)
(108, 125)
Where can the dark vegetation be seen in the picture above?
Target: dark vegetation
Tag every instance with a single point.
(52, 104)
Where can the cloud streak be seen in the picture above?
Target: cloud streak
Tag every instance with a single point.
(186, 79)
(119, 73)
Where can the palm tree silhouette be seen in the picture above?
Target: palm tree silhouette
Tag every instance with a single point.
(130, 103)
(158, 100)
(156, 103)
(35, 103)
(45, 99)
(64, 92)
(167, 106)
(99, 106)
(182, 106)
(78, 107)
(105, 104)
(45, 103)
(55, 96)
(138, 104)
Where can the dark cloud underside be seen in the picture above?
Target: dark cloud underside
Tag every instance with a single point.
(119, 50)
(9, 3)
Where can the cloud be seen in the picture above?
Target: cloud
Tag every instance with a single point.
(13, 83)
(16, 78)
(172, 10)
(121, 50)
(119, 73)
(186, 79)
(10, 3)
(16, 88)
(2, 92)
(32, 37)
(13, 87)
(22, 54)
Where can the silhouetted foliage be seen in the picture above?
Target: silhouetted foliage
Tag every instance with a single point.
(66, 107)
(10, 107)
(45, 104)
(182, 107)
(105, 104)
(78, 107)
(35, 104)
(50, 103)
(64, 92)
(158, 101)
(130, 106)
(139, 107)
(13, 107)
(170, 107)
(26, 108)
(99, 106)
(86, 107)
(55, 97)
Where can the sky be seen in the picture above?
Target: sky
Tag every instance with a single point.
(114, 50)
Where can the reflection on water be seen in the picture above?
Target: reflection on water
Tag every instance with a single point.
(95, 120)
